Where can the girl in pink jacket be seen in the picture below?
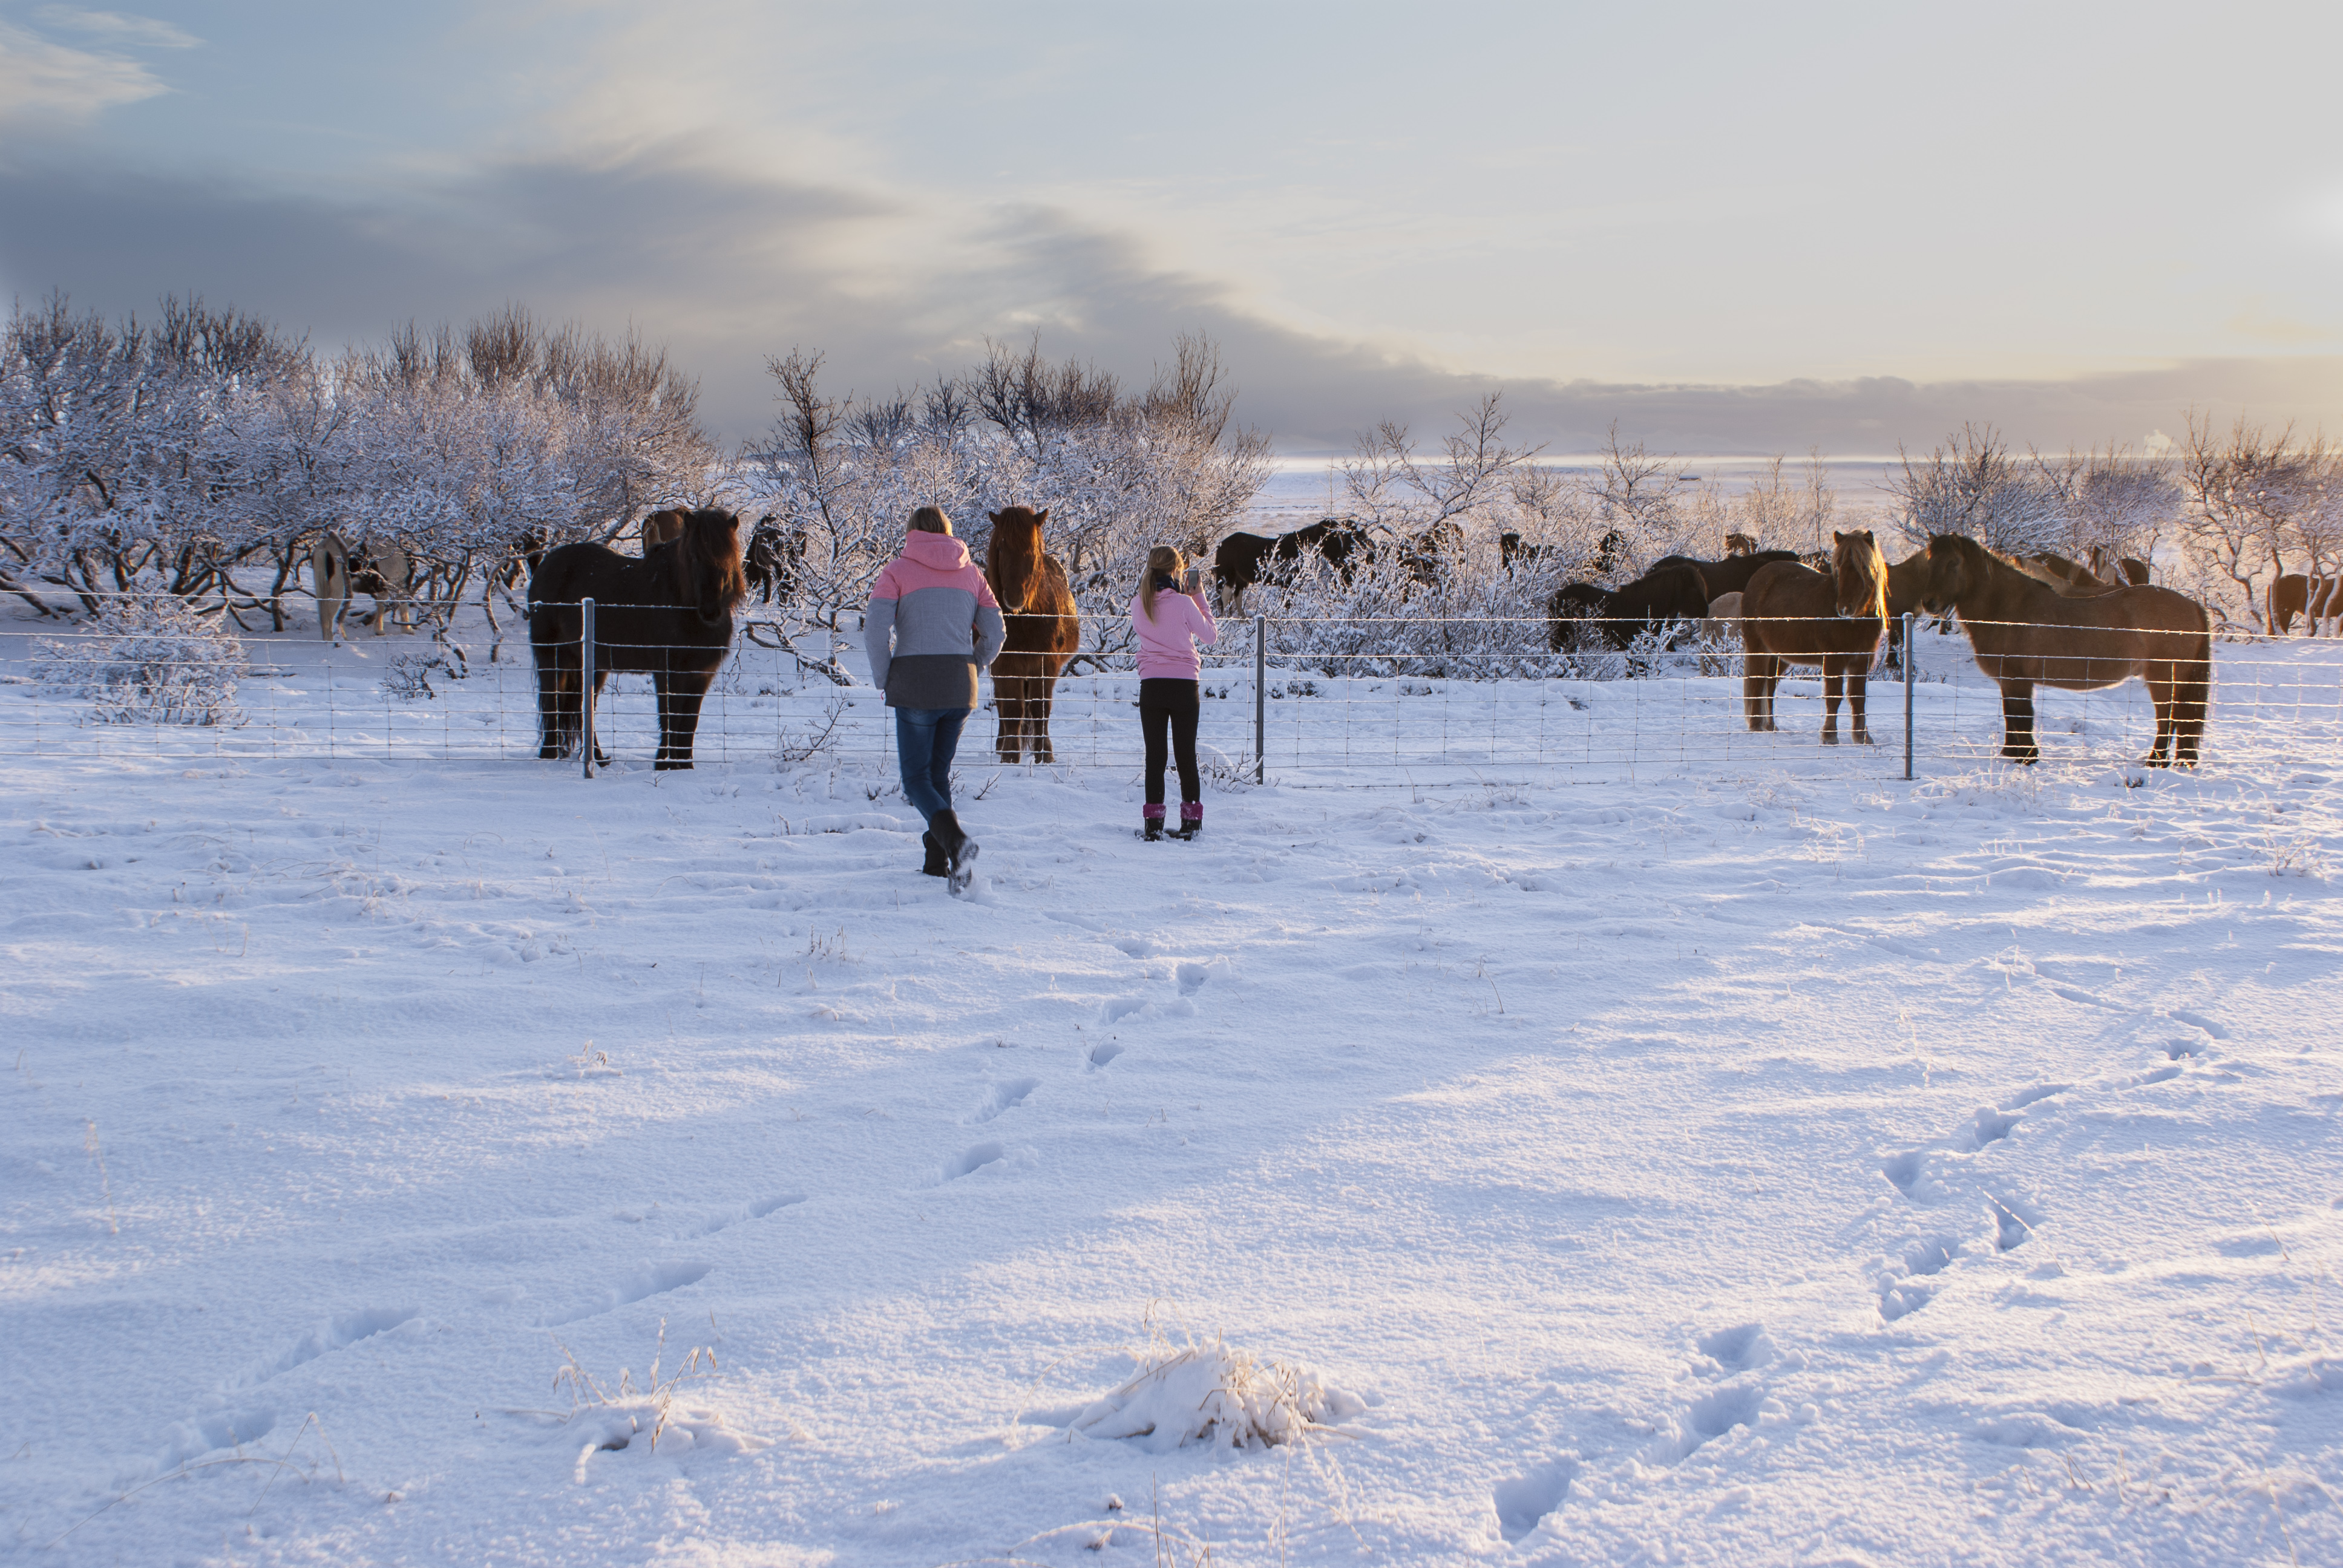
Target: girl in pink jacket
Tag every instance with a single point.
(1171, 619)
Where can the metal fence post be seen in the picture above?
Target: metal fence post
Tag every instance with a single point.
(1908, 652)
(1260, 699)
(585, 683)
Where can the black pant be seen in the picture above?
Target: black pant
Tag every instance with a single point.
(1171, 703)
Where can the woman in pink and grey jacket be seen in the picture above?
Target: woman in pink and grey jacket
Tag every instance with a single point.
(1170, 618)
(931, 625)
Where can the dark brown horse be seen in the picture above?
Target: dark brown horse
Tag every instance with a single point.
(1793, 614)
(2025, 633)
(668, 615)
(1043, 630)
(2315, 598)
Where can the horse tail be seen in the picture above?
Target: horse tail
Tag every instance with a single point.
(2192, 695)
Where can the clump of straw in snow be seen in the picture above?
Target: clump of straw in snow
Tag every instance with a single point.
(1216, 1395)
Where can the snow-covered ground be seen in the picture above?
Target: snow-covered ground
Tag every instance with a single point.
(1741, 1157)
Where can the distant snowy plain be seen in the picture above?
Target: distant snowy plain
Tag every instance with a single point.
(1760, 1163)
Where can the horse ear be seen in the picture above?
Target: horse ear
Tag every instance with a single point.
(1041, 516)
(1838, 538)
(992, 517)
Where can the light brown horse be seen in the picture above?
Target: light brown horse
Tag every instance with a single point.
(2024, 633)
(1043, 630)
(663, 528)
(1793, 614)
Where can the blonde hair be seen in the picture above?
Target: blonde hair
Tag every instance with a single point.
(930, 520)
(1161, 559)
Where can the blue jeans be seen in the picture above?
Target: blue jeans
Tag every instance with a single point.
(925, 739)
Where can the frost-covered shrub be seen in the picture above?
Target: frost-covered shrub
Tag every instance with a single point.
(150, 659)
(409, 676)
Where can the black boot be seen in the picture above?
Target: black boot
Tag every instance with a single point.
(959, 850)
(937, 864)
(1151, 815)
(1191, 818)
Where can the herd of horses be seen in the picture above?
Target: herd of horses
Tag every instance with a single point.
(2034, 621)
(668, 614)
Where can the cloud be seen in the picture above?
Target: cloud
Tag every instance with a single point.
(113, 27)
(45, 84)
(727, 268)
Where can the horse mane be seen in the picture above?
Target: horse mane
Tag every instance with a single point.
(1031, 567)
(1874, 562)
(707, 563)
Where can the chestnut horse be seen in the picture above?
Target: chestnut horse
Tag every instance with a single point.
(2024, 633)
(668, 615)
(1043, 630)
(1793, 614)
(662, 528)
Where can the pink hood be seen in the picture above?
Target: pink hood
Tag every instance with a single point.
(938, 552)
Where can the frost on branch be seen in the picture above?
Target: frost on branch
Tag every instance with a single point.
(149, 660)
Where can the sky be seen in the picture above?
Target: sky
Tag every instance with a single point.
(1729, 229)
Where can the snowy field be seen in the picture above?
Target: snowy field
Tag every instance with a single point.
(1732, 1155)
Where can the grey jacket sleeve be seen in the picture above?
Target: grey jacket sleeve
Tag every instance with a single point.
(991, 631)
(878, 638)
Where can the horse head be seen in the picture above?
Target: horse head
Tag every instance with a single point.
(1013, 557)
(707, 563)
(1859, 573)
(1955, 563)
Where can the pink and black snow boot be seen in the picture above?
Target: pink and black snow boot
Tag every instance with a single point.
(1151, 815)
(1191, 818)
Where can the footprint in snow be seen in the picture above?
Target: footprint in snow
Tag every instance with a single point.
(1104, 1051)
(333, 1334)
(756, 1211)
(2197, 1021)
(1738, 1347)
(1988, 1126)
(1004, 1097)
(976, 1157)
(1523, 1501)
(640, 1285)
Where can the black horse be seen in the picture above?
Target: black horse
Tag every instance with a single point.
(668, 615)
(1660, 597)
(1732, 574)
(1244, 559)
(774, 559)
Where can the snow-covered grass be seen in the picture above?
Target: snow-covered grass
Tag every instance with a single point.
(1763, 1161)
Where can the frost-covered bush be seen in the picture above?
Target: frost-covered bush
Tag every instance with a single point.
(147, 659)
(409, 678)
(1118, 471)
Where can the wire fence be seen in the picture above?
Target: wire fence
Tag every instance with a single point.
(1397, 700)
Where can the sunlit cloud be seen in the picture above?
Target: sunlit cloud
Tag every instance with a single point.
(115, 27)
(43, 82)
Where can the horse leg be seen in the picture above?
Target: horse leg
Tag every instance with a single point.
(1009, 709)
(601, 677)
(553, 686)
(1834, 683)
(680, 695)
(2163, 691)
(1037, 718)
(1758, 673)
(2018, 743)
(1858, 682)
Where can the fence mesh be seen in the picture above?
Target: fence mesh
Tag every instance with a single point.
(1397, 701)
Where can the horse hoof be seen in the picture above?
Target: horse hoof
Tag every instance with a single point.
(1830, 737)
